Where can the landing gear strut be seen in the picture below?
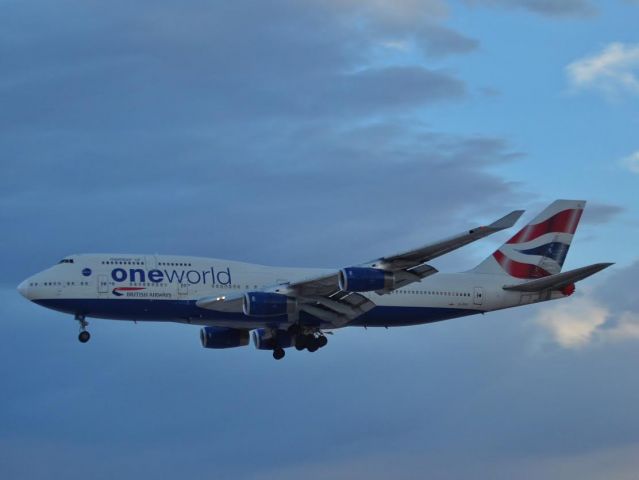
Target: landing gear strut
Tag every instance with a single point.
(84, 335)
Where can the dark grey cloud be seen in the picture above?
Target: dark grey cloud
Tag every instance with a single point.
(420, 23)
(618, 293)
(549, 8)
(599, 213)
(199, 117)
(438, 40)
(281, 195)
(199, 63)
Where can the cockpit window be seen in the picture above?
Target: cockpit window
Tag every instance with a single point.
(66, 260)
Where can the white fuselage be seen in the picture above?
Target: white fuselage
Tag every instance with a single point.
(166, 287)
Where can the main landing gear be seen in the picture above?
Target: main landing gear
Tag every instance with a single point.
(311, 342)
(84, 336)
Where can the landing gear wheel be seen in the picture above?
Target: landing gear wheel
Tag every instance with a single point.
(322, 341)
(278, 353)
(84, 335)
(301, 342)
(313, 345)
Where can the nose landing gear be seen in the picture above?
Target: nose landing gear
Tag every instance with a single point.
(84, 336)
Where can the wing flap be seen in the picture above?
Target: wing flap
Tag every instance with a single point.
(230, 304)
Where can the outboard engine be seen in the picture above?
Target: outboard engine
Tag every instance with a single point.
(222, 337)
(265, 304)
(362, 279)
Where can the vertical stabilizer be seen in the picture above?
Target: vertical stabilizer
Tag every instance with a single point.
(540, 248)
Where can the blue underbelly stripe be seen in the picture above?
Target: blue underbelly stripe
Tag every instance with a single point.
(182, 310)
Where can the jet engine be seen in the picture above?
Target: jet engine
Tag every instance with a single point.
(221, 337)
(361, 279)
(265, 304)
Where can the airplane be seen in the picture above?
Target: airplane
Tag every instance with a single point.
(295, 307)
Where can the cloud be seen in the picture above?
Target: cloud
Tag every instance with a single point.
(438, 40)
(548, 8)
(613, 71)
(618, 462)
(607, 313)
(631, 162)
(599, 213)
(184, 109)
(401, 12)
(573, 322)
(332, 171)
(189, 66)
(420, 23)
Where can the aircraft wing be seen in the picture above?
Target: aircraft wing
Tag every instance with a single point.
(323, 297)
(409, 266)
(417, 256)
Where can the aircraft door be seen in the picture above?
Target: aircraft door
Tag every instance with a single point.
(183, 289)
(478, 297)
(103, 284)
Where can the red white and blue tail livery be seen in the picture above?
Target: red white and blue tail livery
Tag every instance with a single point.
(293, 307)
(540, 248)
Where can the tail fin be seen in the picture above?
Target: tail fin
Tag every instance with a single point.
(540, 248)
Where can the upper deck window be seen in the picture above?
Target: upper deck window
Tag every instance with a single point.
(66, 260)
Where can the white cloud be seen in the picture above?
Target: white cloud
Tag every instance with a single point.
(581, 321)
(401, 45)
(613, 71)
(572, 322)
(631, 162)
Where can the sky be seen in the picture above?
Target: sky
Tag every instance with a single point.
(321, 134)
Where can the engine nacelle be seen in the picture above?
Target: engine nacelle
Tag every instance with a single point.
(221, 337)
(266, 339)
(265, 304)
(361, 279)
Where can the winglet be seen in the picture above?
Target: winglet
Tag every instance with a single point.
(507, 221)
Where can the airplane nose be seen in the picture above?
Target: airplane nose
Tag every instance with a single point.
(23, 288)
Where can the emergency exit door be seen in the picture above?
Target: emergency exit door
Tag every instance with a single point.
(478, 297)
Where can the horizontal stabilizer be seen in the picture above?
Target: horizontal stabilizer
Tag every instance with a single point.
(558, 281)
